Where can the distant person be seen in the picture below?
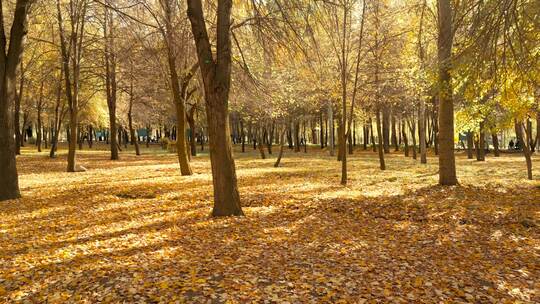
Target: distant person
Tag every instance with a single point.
(511, 145)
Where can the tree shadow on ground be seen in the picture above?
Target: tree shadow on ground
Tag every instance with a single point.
(451, 238)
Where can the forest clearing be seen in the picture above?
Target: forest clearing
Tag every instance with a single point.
(270, 151)
(135, 231)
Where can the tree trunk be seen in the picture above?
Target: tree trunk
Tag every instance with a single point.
(181, 149)
(538, 121)
(110, 80)
(354, 133)
(216, 75)
(281, 147)
(24, 131)
(304, 136)
(447, 160)
(17, 114)
(178, 93)
(271, 137)
(134, 139)
(422, 131)
(90, 136)
(71, 67)
(243, 135)
(386, 128)
(436, 132)
(148, 134)
(412, 127)
(297, 135)
(525, 145)
(321, 129)
(529, 128)
(80, 137)
(340, 140)
(39, 133)
(9, 61)
(261, 146)
(192, 137)
(373, 144)
(394, 134)
(351, 145)
(331, 127)
(326, 131)
(480, 150)
(470, 142)
(495, 140)
(405, 139)
(380, 136)
(366, 136)
(45, 137)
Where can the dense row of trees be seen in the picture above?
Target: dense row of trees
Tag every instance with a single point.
(395, 75)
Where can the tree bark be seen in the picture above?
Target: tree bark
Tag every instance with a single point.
(281, 147)
(243, 135)
(525, 145)
(90, 136)
(366, 136)
(134, 139)
(529, 128)
(470, 142)
(260, 145)
(394, 134)
(71, 59)
(110, 78)
(17, 114)
(148, 135)
(216, 75)
(447, 160)
(480, 149)
(271, 137)
(350, 141)
(373, 144)
(177, 94)
(405, 139)
(422, 131)
(59, 113)
(380, 136)
(321, 129)
(9, 61)
(297, 135)
(331, 127)
(412, 127)
(386, 128)
(193, 128)
(495, 140)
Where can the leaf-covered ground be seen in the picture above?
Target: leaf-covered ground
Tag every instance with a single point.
(134, 231)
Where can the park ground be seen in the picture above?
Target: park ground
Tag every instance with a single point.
(134, 231)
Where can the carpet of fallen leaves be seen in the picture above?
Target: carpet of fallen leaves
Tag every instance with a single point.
(134, 231)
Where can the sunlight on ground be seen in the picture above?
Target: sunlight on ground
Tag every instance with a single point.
(136, 231)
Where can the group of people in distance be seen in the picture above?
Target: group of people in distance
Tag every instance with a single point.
(514, 146)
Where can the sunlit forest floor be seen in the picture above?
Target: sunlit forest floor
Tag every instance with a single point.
(134, 231)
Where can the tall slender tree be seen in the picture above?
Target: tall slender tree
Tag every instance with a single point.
(71, 47)
(447, 159)
(111, 85)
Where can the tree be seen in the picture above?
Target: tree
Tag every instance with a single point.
(71, 46)
(179, 91)
(447, 160)
(216, 74)
(111, 85)
(10, 58)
